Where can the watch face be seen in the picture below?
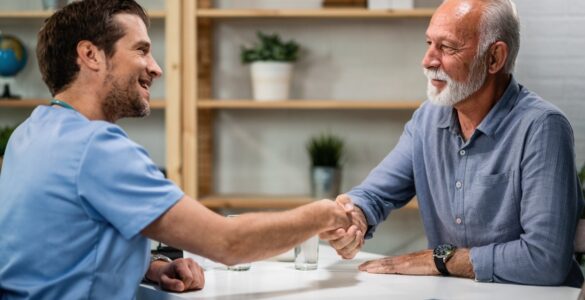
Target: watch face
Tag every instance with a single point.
(444, 250)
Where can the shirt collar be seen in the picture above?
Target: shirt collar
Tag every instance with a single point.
(491, 121)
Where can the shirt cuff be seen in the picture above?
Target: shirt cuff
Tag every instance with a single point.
(482, 259)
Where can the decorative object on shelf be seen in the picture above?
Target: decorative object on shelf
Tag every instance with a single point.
(12, 60)
(53, 4)
(390, 4)
(271, 66)
(344, 3)
(4, 136)
(326, 151)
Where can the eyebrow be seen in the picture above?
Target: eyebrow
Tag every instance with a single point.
(142, 44)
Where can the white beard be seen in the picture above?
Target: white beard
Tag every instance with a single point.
(454, 91)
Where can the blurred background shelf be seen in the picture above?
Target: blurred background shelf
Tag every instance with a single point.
(42, 14)
(307, 104)
(358, 13)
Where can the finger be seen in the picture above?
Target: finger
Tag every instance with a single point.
(354, 247)
(198, 276)
(345, 202)
(171, 284)
(346, 239)
(332, 234)
(183, 272)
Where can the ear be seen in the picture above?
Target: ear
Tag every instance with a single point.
(498, 54)
(89, 55)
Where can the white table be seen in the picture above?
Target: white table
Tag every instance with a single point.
(339, 279)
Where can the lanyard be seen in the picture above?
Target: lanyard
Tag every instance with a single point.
(62, 104)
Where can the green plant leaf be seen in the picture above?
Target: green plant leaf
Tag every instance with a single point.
(270, 48)
(325, 150)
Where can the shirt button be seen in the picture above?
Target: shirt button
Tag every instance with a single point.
(458, 184)
(462, 152)
(458, 221)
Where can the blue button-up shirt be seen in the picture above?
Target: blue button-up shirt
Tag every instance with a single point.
(510, 192)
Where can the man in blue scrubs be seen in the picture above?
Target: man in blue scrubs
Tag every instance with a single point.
(78, 198)
(491, 164)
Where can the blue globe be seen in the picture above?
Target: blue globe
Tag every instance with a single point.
(12, 55)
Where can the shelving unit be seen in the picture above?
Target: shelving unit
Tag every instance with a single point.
(171, 16)
(199, 107)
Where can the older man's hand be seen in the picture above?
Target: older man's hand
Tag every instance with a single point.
(348, 242)
(416, 263)
(181, 275)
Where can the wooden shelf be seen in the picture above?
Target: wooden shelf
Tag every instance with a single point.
(31, 103)
(264, 202)
(42, 14)
(253, 202)
(307, 104)
(330, 13)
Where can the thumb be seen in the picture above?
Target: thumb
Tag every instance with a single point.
(345, 202)
(171, 284)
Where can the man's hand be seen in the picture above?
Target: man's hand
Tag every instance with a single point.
(181, 275)
(348, 242)
(416, 263)
(421, 263)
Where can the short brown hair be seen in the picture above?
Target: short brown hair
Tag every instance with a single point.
(90, 20)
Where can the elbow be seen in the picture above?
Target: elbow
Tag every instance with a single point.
(549, 271)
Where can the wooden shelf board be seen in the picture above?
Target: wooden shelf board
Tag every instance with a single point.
(31, 103)
(360, 13)
(253, 202)
(266, 202)
(41, 14)
(307, 104)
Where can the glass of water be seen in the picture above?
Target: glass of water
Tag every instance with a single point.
(239, 267)
(307, 254)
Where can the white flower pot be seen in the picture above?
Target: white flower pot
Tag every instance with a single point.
(271, 80)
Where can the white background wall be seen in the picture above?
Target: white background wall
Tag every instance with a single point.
(263, 151)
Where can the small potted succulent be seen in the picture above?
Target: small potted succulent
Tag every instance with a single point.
(326, 152)
(271, 63)
(4, 136)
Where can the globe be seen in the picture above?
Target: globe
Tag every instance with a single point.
(12, 55)
(12, 59)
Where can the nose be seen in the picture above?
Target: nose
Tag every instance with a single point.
(431, 60)
(154, 69)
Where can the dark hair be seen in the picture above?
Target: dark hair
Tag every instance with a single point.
(90, 20)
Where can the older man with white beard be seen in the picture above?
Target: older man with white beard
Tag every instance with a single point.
(491, 163)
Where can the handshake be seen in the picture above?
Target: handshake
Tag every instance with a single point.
(348, 236)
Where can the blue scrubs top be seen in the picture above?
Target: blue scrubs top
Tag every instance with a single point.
(74, 196)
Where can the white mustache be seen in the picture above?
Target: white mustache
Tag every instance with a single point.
(436, 74)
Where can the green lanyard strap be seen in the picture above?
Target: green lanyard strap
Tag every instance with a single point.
(61, 103)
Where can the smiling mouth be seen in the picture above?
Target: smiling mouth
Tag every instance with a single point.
(145, 84)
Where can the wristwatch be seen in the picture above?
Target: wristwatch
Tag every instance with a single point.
(441, 255)
(155, 257)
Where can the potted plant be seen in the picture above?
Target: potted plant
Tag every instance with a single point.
(271, 66)
(326, 152)
(4, 136)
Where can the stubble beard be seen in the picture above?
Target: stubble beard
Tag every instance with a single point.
(454, 91)
(122, 101)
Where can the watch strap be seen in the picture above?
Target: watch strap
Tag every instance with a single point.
(441, 266)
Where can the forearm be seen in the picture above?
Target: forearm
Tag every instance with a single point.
(460, 264)
(276, 232)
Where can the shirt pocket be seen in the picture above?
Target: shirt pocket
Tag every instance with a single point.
(491, 205)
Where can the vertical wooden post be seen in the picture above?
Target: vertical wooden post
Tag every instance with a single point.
(173, 90)
(189, 99)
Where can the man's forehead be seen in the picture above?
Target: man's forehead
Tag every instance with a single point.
(456, 19)
(133, 26)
